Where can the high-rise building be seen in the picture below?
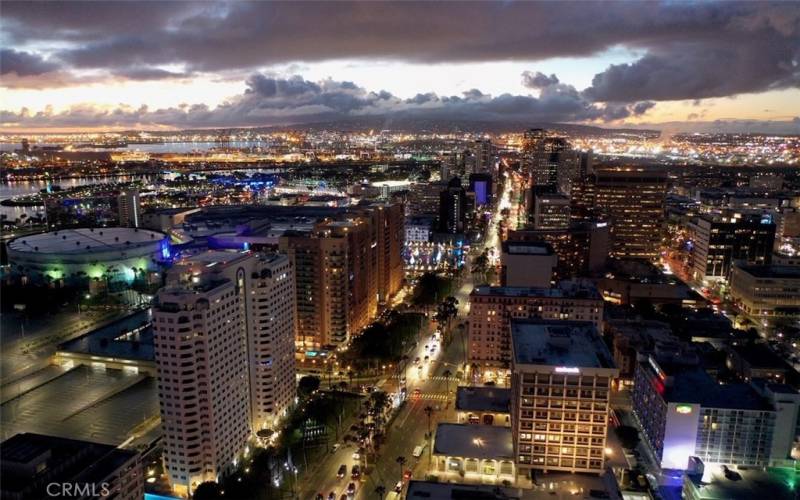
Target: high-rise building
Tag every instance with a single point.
(561, 375)
(423, 198)
(199, 338)
(492, 309)
(684, 412)
(229, 316)
(453, 208)
(718, 241)
(582, 248)
(481, 157)
(128, 208)
(632, 200)
(345, 270)
(550, 160)
(481, 185)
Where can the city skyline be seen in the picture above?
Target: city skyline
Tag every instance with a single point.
(713, 66)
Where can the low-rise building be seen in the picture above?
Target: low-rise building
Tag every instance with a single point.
(483, 405)
(35, 466)
(477, 452)
(767, 293)
(756, 360)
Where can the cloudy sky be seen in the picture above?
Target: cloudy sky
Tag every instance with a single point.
(697, 66)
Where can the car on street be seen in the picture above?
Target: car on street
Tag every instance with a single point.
(355, 473)
(342, 471)
(398, 487)
(407, 475)
(351, 489)
(331, 496)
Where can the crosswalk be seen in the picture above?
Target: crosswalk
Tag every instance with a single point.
(432, 396)
(443, 379)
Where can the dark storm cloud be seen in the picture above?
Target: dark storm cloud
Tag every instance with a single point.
(24, 63)
(275, 101)
(694, 70)
(538, 80)
(690, 51)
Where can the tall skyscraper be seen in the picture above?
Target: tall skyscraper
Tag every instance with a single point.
(453, 208)
(199, 337)
(128, 208)
(481, 157)
(551, 161)
(632, 199)
(560, 390)
(229, 319)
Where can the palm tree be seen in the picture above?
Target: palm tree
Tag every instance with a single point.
(401, 461)
(447, 374)
(380, 490)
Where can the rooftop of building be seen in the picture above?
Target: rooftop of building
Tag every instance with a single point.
(559, 343)
(564, 289)
(779, 272)
(130, 337)
(759, 355)
(494, 399)
(68, 460)
(444, 491)
(83, 240)
(213, 257)
(527, 248)
(474, 441)
(693, 385)
(752, 483)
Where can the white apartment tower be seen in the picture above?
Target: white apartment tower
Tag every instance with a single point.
(199, 341)
(249, 338)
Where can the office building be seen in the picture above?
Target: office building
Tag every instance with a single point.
(561, 375)
(684, 412)
(766, 293)
(481, 185)
(345, 270)
(550, 211)
(128, 208)
(480, 159)
(632, 200)
(493, 308)
(36, 466)
(582, 248)
(224, 348)
(550, 161)
(527, 264)
(717, 241)
(453, 208)
(424, 198)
